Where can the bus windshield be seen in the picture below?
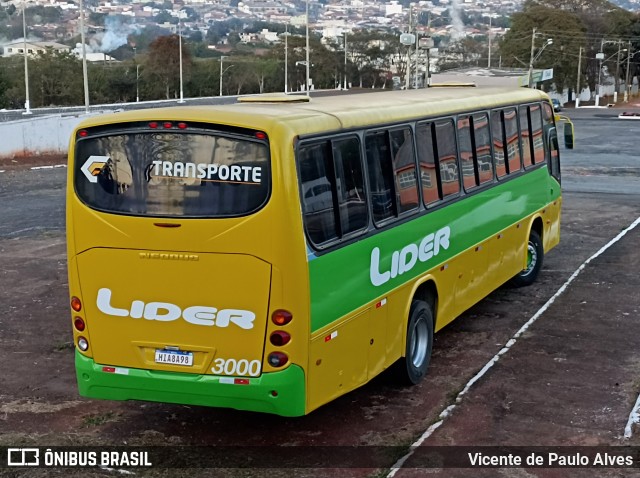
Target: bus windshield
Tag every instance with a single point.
(172, 174)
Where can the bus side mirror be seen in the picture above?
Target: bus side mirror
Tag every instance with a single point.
(568, 134)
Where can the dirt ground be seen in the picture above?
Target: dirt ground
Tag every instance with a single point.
(25, 162)
(571, 380)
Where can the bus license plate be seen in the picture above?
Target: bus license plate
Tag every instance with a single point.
(174, 357)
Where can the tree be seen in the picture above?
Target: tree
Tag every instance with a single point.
(592, 21)
(463, 53)
(163, 63)
(562, 55)
(55, 79)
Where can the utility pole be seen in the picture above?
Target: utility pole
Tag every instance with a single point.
(408, 75)
(307, 59)
(415, 79)
(578, 77)
(286, 57)
(626, 78)
(489, 35)
(345, 60)
(617, 80)
(84, 61)
(27, 109)
(533, 46)
(181, 100)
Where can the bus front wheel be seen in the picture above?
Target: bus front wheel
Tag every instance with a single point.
(413, 366)
(535, 255)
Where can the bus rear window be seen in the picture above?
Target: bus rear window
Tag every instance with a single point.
(172, 174)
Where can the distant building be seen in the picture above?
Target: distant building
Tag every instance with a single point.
(33, 47)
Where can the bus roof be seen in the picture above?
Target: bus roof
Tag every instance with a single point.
(330, 113)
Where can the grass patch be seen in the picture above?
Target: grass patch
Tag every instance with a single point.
(100, 419)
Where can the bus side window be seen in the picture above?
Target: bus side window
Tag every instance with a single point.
(426, 160)
(380, 176)
(499, 150)
(551, 136)
(482, 140)
(525, 129)
(447, 157)
(554, 147)
(514, 162)
(317, 189)
(536, 134)
(350, 182)
(465, 148)
(404, 169)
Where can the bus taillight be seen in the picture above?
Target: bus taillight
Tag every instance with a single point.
(182, 125)
(167, 125)
(277, 359)
(79, 324)
(83, 344)
(76, 304)
(280, 338)
(281, 317)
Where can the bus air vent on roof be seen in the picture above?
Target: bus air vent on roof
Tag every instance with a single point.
(274, 98)
(453, 84)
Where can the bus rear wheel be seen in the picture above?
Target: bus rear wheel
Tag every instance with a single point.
(535, 255)
(413, 366)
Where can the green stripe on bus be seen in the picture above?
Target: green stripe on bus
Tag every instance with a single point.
(340, 280)
(195, 389)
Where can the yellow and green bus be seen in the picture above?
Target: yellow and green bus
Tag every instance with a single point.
(274, 254)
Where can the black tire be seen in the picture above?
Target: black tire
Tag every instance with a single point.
(535, 256)
(413, 366)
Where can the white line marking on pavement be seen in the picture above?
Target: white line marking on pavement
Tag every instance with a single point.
(634, 417)
(447, 411)
(49, 167)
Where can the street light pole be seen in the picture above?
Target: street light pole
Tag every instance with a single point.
(27, 109)
(626, 78)
(307, 47)
(286, 59)
(533, 47)
(578, 77)
(533, 58)
(181, 100)
(489, 36)
(84, 61)
(221, 60)
(345, 60)
(222, 71)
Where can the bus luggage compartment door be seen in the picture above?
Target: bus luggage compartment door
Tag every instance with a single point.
(176, 311)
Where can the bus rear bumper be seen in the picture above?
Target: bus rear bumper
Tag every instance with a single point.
(281, 393)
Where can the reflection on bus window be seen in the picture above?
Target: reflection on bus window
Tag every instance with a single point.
(497, 131)
(380, 176)
(536, 133)
(466, 153)
(350, 185)
(482, 138)
(447, 154)
(174, 174)
(513, 140)
(334, 202)
(317, 182)
(525, 129)
(404, 167)
(426, 160)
